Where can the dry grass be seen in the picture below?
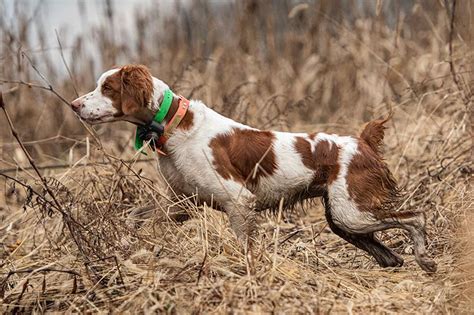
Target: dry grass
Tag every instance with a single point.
(305, 68)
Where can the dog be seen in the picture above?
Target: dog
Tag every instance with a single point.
(242, 170)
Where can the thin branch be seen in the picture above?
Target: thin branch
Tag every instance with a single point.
(50, 88)
(30, 189)
(28, 84)
(61, 166)
(13, 89)
(451, 63)
(27, 154)
(65, 64)
(71, 272)
(68, 219)
(10, 273)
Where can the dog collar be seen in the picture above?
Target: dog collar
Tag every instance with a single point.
(158, 118)
(164, 107)
(183, 107)
(155, 126)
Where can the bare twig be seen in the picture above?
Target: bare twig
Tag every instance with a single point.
(28, 84)
(27, 154)
(13, 89)
(41, 197)
(63, 166)
(30, 270)
(65, 64)
(451, 63)
(49, 86)
(68, 219)
(52, 90)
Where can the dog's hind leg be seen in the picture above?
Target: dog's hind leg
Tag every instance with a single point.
(358, 227)
(415, 223)
(384, 256)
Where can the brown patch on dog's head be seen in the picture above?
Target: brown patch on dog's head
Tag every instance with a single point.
(111, 88)
(130, 89)
(323, 161)
(244, 155)
(137, 88)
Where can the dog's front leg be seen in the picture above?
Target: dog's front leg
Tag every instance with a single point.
(242, 221)
(176, 211)
(242, 218)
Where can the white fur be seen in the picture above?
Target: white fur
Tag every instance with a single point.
(290, 176)
(344, 211)
(159, 88)
(193, 159)
(94, 107)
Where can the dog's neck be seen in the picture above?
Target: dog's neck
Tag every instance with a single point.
(159, 88)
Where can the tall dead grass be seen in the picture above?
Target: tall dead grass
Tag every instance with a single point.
(102, 240)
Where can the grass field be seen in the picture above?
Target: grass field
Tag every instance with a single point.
(70, 239)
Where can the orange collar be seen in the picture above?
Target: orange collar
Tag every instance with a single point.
(183, 106)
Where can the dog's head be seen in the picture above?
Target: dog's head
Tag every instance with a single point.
(121, 94)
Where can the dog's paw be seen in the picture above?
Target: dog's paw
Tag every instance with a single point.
(427, 264)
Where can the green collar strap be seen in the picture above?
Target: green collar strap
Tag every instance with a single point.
(159, 116)
(164, 107)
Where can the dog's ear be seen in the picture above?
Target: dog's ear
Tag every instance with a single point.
(136, 88)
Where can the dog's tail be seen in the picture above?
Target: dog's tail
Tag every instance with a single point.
(373, 133)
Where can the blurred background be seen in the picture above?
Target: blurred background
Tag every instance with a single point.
(295, 65)
(299, 65)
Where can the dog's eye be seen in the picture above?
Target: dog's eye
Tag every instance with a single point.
(106, 87)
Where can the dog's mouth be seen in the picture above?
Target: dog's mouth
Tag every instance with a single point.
(92, 119)
(99, 120)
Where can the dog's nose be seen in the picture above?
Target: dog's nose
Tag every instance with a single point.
(76, 104)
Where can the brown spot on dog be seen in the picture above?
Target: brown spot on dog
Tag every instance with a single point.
(370, 183)
(323, 161)
(130, 89)
(244, 155)
(137, 88)
(187, 121)
(111, 89)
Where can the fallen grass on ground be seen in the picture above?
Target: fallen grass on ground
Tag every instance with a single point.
(99, 255)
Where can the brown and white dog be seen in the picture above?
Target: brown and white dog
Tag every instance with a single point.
(243, 170)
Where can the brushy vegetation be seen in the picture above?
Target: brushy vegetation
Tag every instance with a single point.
(92, 233)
